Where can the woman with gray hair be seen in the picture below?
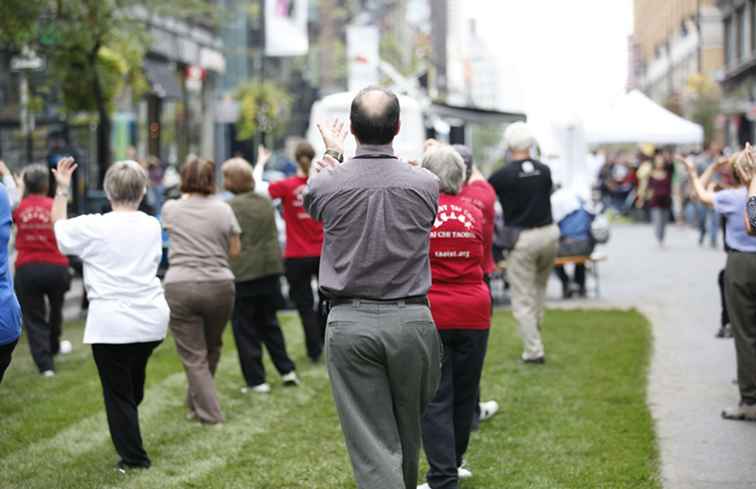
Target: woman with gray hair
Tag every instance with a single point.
(461, 308)
(128, 313)
(42, 277)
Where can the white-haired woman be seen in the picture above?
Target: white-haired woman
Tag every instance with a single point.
(461, 308)
(524, 187)
(128, 313)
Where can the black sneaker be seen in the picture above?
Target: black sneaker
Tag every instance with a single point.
(123, 467)
(724, 332)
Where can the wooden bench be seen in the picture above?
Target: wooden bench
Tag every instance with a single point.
(591, 266)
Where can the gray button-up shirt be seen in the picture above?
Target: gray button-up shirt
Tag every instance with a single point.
(377, 213)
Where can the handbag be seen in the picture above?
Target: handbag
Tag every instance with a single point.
(600, 229)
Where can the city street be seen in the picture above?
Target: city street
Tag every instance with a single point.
(691, 377)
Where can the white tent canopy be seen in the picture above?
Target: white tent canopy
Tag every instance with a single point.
(635, 118)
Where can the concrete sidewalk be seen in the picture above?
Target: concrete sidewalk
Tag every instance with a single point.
(691, 372)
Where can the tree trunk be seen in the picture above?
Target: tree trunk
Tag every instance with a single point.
(104, 155)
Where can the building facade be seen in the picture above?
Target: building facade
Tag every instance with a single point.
(672, 41)
(739, 78)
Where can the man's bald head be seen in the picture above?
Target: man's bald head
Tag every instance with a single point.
(374, 116)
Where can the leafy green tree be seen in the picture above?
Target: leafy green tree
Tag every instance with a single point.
(705, 105)
(94, 48)
(264, 109)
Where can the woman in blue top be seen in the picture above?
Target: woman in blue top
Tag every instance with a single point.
(740, 281)
(10, 311)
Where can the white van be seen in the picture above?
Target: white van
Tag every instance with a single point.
(408, 145)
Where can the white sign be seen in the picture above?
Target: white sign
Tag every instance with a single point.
(286, 28)
(33, 63)
(363, 43)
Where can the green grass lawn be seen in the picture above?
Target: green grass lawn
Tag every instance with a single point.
(580, 421)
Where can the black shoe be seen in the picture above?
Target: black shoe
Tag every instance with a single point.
(566, 292)
(724, 332)
(123, 467)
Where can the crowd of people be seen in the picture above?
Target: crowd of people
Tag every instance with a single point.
(654, 186)
(403, 255)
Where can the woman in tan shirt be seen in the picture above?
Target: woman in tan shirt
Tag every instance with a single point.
(199, 284)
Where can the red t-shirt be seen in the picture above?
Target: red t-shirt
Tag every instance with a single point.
(482, 195)
(35, 238)
(459, 298)
(304, 235)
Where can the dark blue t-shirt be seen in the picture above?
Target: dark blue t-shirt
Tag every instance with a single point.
(10, 311)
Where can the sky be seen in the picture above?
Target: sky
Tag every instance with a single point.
(557, 57)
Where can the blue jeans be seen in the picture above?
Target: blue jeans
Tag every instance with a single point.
(707, 223)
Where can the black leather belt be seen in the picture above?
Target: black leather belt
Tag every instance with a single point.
(414, 301)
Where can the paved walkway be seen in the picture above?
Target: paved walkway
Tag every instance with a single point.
(691, 373)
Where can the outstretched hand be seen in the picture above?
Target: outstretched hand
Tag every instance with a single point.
(688, 162)
(334, 136)
(744, 164)
(324, 164)
(64, 171)
(263, 155)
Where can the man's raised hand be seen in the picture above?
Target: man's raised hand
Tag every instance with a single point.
(334, 136)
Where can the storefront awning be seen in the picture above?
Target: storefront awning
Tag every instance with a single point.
(163, 78)
(475, 115)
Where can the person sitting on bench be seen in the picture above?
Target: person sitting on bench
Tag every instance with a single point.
(574, 238)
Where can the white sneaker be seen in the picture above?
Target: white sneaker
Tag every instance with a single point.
(48, 373)
(263, 388)
(65, 347)
(290, 379)
(488, 409)
(423, 486)
(463, 472)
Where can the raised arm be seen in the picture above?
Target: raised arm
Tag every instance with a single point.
(66, 167)
(263, 157)
(744, 168)
(704, 195)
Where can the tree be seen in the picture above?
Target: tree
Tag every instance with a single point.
(264, 109)
(94, 48)
(705, 105)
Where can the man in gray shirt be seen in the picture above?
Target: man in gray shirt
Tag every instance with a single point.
(382, 347)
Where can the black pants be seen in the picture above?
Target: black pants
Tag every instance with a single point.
(122, 370)
(6, 351)
(37, 285)
(448, 418)
(725, 316)
(740, 289)
(299, 274)
(574, 248)
(255, 323)
(476, 411)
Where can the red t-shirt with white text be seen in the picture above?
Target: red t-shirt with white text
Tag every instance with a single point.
(482, 195)
(459, 298)
(304, 235)
(35, 238)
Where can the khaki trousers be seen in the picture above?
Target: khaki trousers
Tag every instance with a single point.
(528, 269)
(199, 313)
